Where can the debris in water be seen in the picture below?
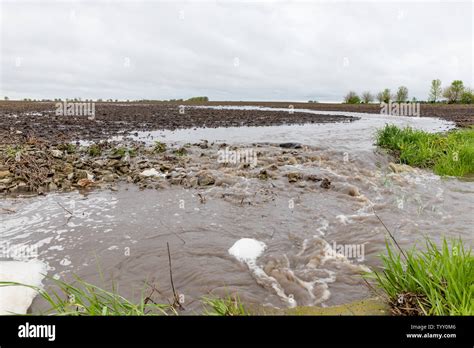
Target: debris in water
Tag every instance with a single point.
(17, 299)
(247, 249)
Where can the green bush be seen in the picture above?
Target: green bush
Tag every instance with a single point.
(467, 97)
(198, 99)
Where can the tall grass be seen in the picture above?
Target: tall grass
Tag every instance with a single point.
(85, 299)
(88, 299)
(438, 281)
(447, 154)
(228, 306)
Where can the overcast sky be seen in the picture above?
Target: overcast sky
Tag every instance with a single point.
(272, 50)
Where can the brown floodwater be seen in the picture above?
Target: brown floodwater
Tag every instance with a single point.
(272, 242)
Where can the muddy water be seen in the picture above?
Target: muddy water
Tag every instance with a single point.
(273, 242)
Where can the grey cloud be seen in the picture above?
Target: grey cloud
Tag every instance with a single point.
(285, 50)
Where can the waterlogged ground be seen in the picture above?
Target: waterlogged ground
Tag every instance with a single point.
(288, 239)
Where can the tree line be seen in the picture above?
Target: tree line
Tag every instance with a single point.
(456, 92)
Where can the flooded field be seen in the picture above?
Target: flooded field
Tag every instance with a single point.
(297, 226)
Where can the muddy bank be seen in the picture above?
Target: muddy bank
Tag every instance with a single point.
(38, 167)
(22, 120)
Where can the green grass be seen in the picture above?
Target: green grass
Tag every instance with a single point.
(87, 299)
(94, 150)
(181, 152)
(159, 147)
(437, 281)
(228, 306)
(450, 154)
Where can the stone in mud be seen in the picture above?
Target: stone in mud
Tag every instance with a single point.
(272, 167)
(312, 177)
(20, 187)
(108, 178)
(114, 163)
(353, 191)
(68, 168)
(205, 179)
(164, 167)
(83, 174)
(291, 145)
(326, 184)
(66, 185)
(263, 175)
(52, 186)
(56, 153)
(5, 174)
(99, 163)
(400, 168)
(6, 181)
(292, 161)
(124, 169)
(85, 183)
(176, 181)
(151, 172)
(192, 182)
(294, 176)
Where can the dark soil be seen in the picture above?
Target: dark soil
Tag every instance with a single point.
(20, 121)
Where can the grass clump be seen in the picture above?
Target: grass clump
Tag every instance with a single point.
(159, 147)
(181, 151)
(68, 147)
(438, 281)
(451, 153)
(94, 150)
(228, 306)
(86, 299)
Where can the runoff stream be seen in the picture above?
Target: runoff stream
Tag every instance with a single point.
(282, 245)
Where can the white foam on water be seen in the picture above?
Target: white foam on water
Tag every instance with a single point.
(17, 299)
(247, 250)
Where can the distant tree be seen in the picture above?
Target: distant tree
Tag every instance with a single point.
(402, 94)
(379, 97)
(386, 95)
(367, 97)
(467, 96)
(454, 91)
(198, 99)
(435, 91)
(351, 98)
(6, 98)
